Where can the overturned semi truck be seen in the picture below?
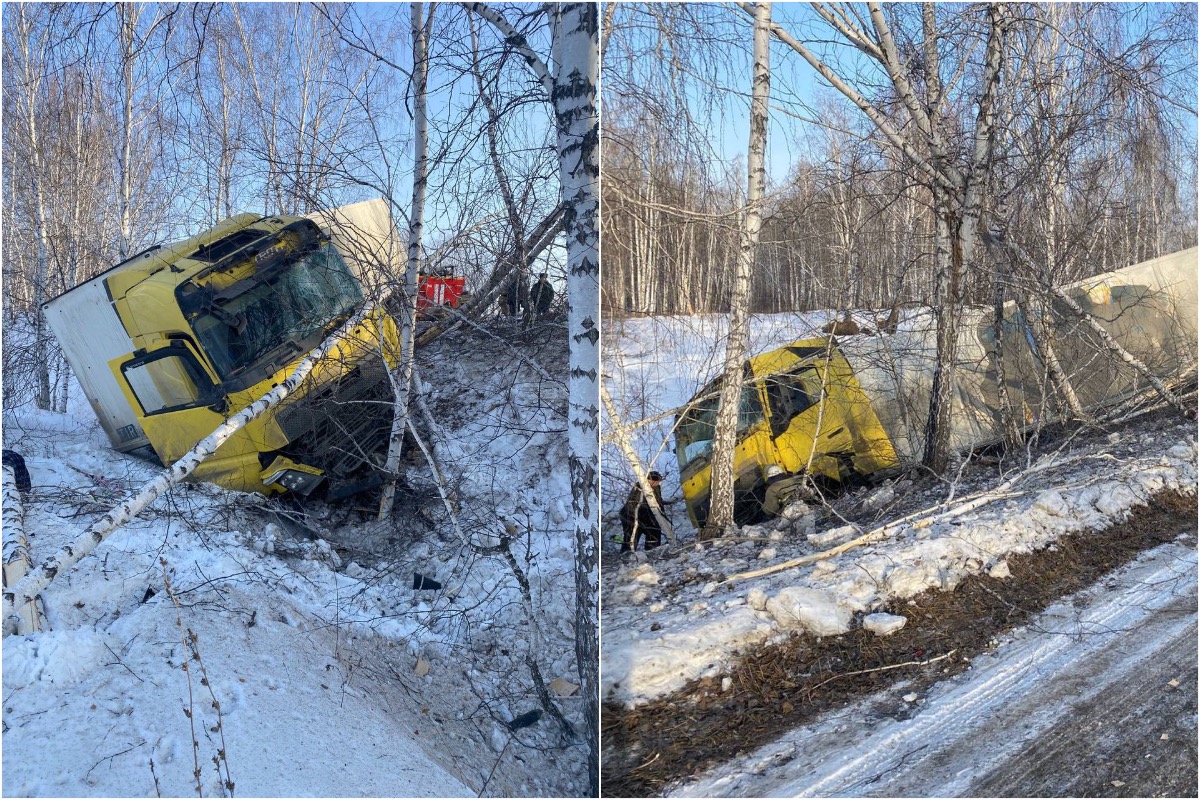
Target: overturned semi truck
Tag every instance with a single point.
(841, 409)
(174, 340)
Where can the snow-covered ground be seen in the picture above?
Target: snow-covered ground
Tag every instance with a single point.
(1015, 696)
(684, 617)
(320, 670)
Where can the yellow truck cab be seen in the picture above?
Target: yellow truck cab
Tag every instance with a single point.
(801, 412)
(178, 338)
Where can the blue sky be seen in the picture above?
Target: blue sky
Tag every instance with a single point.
(718, 88)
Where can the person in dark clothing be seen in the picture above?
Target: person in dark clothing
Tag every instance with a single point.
(637, 518)
(513, 301)
(541, 296)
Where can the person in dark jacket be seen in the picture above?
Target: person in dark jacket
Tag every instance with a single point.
(516, 296)
(541, 296)
(637, 518)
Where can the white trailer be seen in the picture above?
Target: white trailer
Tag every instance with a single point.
(1148, 308)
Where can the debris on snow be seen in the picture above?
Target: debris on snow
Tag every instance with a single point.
(645, 575)
(1000, 570)
(879, 498)
(910, 698)
(525, 720)
(1051, 503)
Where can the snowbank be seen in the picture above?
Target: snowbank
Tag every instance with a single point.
(333, 676)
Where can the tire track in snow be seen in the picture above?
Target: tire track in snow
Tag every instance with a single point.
(967, 727)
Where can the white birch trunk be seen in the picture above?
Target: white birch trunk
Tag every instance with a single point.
(621, 435)
(33, 58)
(127, 20)
(26, 618)
(721, 508)
(572, 92)
(401, 377)
(576, 44)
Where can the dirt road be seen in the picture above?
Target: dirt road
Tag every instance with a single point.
(1095, 697)
(1134, 738)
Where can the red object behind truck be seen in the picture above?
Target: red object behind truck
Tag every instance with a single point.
(438, 290)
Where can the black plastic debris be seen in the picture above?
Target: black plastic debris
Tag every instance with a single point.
(149, 593)
(421, 582)
(525, 720)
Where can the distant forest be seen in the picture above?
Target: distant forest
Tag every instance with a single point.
(1092, 164)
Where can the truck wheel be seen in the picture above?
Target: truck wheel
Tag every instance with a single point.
(785, 491)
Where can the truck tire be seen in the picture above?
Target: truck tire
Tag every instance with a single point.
(784, 491)
(14, 459)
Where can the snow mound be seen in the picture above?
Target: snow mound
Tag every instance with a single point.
(883, 624)
(808, 610)
(63, 657)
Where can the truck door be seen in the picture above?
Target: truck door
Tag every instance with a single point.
(174, 398)
(800, 401)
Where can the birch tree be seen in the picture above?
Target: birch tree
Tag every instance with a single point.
(32, 29)
(401, 376)
(721, 511)
(918, 132)
(571, 90)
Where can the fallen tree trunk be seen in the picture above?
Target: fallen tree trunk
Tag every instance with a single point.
(25, 618)
(538, 240)
(916, 521)
(621, 434)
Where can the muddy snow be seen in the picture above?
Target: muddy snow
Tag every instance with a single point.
(1118, 645)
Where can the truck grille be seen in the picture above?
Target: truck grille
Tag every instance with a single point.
(343, 426)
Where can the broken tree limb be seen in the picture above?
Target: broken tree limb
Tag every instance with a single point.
(1114, 346)
(886, 668)
(539, 239)
(26, 589)
(621, 434)
(1046, 349)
